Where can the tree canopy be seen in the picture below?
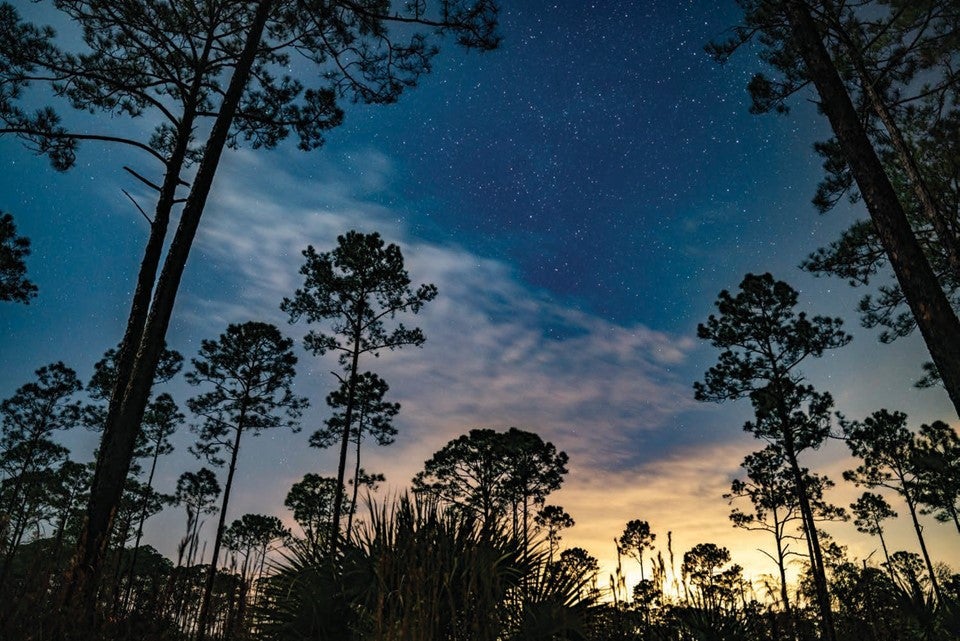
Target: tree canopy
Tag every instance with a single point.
(14, 285)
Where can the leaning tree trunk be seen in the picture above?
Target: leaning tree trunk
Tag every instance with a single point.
(133, 335)
(813, 541)
(923, 545)
(116, 453)
(929, 204)
(883, 545)
(935, 317)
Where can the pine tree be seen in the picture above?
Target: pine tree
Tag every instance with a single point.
(885, 445)
(763, 341)
(356, 288)
(249, 371)
(793, 41)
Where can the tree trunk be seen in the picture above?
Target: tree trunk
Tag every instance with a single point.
(928, 203)
(935, 317)
(143, 517)
(782, 567)
(828, 630)
(886, 554)
(204, 615)
(356, 482)
(923, 545)
(117, 451)
(345, 442)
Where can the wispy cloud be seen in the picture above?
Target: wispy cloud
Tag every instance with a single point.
(498, 352)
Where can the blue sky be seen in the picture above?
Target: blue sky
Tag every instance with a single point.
(579, 197)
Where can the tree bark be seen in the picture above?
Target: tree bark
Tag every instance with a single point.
(935, 317)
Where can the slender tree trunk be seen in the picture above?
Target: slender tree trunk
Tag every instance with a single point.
(923, 545)
(782, 567)
(143, 517)
(813, 539)
(356, 477)
(15, 497)
(345, 439)
(118, 570)
(204, 615)
(935, 317)
(526, 527)
(17, 535)
(886, 554)
(116, 452)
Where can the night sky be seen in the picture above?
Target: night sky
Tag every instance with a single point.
(579, 197)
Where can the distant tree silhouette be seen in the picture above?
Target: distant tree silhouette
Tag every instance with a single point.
(771, 491)
(936, 464)
(14, 285)
(578, 562)
(249, 370)
(553, 519)
(196, 492)
(311, 501)
(712, 586)
(250, 536)
(72, 482)
(483, 472)
(356, 289)
(536, 470)
(868, 512)
(908, 568)
(885, 445)
(763, 341)
(636, 538)
(28, 420)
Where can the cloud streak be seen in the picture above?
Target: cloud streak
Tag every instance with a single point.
(498, 352)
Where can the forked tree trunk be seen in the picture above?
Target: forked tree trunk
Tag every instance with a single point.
(117, 448)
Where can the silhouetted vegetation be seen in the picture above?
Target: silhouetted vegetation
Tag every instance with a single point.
(14, 285)
(471, 550)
